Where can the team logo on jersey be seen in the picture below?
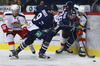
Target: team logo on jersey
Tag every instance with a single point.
(15, 23)
(38, 34)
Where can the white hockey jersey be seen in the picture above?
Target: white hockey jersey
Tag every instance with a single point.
(11, 21)
(83, 20)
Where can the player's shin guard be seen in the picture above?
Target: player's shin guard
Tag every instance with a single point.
(66, 47)
(32, 49)
(43, 50)
(21, 47)
(81, 50)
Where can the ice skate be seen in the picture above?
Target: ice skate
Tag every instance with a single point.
(81, 52)
(43, 56)
(59, 50)
(67, 49)
(13, 54)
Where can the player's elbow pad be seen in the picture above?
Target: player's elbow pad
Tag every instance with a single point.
(24, 29)
(4, 28)
(79, 32)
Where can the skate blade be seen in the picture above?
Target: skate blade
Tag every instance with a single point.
(13, 58)
(44, 59)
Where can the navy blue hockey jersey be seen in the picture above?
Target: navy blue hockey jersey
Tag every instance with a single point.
(44, 19)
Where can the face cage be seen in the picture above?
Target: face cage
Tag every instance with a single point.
(15, 10)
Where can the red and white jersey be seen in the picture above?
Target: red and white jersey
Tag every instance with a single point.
(82, 20)
(11, 21)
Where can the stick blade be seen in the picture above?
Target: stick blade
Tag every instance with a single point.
(91, 56)
(94, 26)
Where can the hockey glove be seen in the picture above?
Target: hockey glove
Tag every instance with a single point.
(24, 29)
(79, 32)
(4, 28)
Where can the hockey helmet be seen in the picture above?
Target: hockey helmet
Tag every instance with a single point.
(53, 7)
(81, 9)
(69, 5)
(15, 7)
(76, 6)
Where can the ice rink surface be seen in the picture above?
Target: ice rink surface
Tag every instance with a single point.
(26, 58)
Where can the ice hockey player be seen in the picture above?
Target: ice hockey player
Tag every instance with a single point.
(66, 18)
(82, 19)
(36, 29)
(15, 25)
(64, 36)
(82, 33)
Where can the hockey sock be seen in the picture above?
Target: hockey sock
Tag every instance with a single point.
(44, 47)
(67, 45)
(11, 45)
(32, 48)
(21, 47)
(62, 45)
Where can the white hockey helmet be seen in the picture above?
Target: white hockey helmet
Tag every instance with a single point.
(15, 7)
(81, 9)
(76, 7)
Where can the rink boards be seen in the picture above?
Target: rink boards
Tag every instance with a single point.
(92, 40)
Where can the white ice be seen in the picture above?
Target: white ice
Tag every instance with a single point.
(26, 58)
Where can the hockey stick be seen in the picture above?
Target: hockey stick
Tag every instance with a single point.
(86, 50)
(84, 47)
(90, 28)
(65, 26)
(75, 43)
(94, 26)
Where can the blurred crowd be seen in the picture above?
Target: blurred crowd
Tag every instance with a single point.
(25, 3)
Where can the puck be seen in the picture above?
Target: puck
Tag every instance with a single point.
(94, 60)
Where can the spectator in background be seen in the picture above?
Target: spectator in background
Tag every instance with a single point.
(32, 2)
(24, 2)
(1, 2)
(23, 9)
(15, 1)
(42, 2)
(7, 3)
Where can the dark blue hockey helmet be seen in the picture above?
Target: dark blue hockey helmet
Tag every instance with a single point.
(53, 7)
(69, 5)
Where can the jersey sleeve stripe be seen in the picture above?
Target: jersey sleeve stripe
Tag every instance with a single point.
(81, 25)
